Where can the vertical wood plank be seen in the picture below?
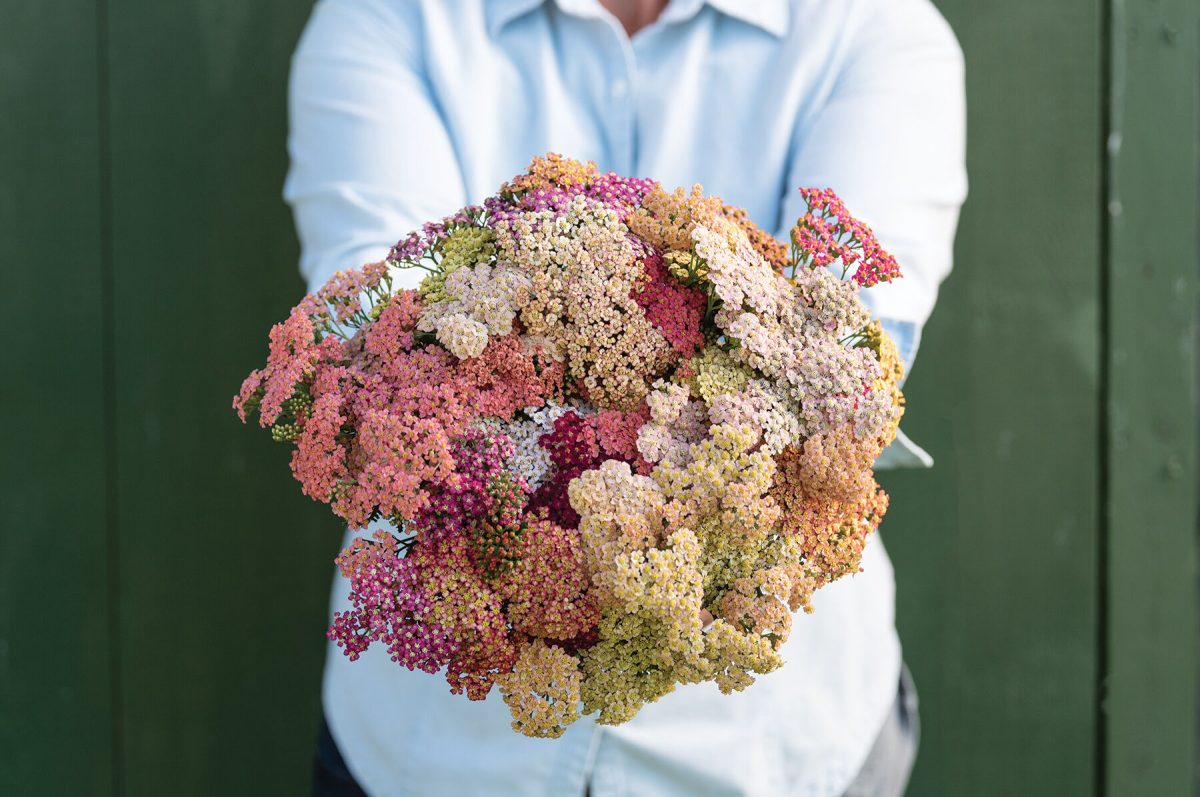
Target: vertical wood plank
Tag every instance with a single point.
(996, 548)
(55, 703)
(1150, 706)
(226, 568)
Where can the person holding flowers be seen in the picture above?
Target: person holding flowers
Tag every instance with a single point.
(616, 456)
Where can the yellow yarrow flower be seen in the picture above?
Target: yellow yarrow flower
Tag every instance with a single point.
(542, 691)
(717, 374)
(465, 246)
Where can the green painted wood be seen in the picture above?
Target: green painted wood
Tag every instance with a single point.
(1150, 740)
(54, 639)
(225, 566)
(996, 548)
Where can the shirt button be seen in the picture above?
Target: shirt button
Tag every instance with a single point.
(619, 89)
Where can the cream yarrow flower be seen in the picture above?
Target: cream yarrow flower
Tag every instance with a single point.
(479, 302)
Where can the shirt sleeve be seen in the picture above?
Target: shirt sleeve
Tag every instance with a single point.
(370, 155)
(890, 141)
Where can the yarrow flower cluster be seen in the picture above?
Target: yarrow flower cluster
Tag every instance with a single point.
(610, 445)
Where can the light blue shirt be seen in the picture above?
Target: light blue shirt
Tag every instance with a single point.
(405, 110)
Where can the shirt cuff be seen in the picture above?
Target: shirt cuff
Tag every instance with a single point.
(903, 452)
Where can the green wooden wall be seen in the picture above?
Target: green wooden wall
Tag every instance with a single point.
(163, 583)
(997, 548)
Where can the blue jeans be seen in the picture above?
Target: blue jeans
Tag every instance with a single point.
(331, 778)
(890, 762)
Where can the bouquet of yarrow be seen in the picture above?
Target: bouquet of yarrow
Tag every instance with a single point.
(612, 442)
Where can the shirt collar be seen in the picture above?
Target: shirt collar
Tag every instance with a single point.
(773, 16)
